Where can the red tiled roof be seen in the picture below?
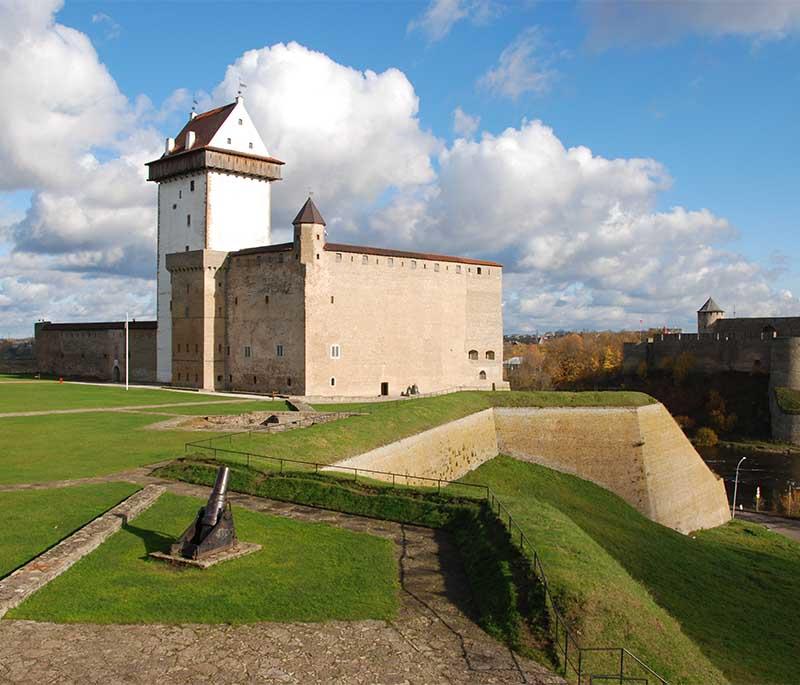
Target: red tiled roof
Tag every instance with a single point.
(308, 214)
(204, 125)
(383, 252)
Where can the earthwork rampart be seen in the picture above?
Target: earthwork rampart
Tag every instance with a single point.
(638, 453)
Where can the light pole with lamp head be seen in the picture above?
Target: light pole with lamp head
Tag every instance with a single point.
(736, 488)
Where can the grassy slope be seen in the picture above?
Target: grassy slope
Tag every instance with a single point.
(230, 407)
(390, 421)
(45, 396)
(35, 520)
(734, 592)
(304, 572)
(788, 400)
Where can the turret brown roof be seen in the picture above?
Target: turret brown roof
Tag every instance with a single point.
(710, 306)
(308, 214)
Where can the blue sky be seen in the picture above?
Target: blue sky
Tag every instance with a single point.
(708, 93)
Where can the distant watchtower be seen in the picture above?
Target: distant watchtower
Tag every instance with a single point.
(213, 194)
(708, 314)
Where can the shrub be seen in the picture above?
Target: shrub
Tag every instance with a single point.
(687, 423)
(706, 437)
(789, 504)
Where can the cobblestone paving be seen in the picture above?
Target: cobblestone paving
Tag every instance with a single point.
(432, 640)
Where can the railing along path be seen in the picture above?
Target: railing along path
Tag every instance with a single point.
(574, 657)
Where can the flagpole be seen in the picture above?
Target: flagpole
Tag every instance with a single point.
(126, 350)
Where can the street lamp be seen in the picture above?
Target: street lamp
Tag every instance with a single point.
(736, 488)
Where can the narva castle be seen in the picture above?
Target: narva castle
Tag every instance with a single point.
(308, 317)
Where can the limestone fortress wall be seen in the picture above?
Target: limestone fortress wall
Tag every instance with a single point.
(638, 453)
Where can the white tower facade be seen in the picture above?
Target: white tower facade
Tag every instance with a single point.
(214, 193)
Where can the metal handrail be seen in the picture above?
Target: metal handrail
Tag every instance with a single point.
(570, 644)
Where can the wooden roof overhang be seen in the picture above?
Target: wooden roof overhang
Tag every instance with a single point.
(183, 163)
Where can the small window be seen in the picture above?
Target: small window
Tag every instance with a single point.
(174, 206)
(187, 249)
(289, 382)
(331, 299)
(338, 256)
(188, 219)
(317, 255)
(250, 145)
(235, 300)
(458, 268)
(247, 351)
(364, 259)
(229, 141)
(482, 375)
(490, 354)
(228, 350)
(219, 379)
(413, 264)
(333, 381)
(266, 299)
(191, 186)
(473, 354)
(279, 350)
(336, 352)
(435, 267)
(390, 261)
(230, 378)
(219, 349)
(255, 380)
(317, 236)
(180, 194)
(479, 271)
(240, 122)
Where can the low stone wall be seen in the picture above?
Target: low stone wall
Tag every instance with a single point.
(38, 572)
(446, 452)
(638, 453)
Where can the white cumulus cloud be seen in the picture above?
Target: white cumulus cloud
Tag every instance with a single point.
(441, 15)
(521, 68)
(464, 124)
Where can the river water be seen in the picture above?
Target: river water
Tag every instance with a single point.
(775, 473)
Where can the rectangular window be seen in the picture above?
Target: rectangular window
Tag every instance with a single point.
(229, 141)
(188, 219)
(246, 351)
(180, 195)
(289, 382)
(331, 299)
(458, 268)
(254, 380)
(219, 349)
(240, 122)
(364, 259)
(390, 261)
(333, 381)
(250, 145)
(338, 256)
(435, 267)
(219, 379)
(266, 299)
(279, 350)
(191, 186)
(479, 271)
(228, 350)
(413, 264)
(336, 352)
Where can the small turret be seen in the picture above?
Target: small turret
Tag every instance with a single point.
(309, 232)
(707, 315)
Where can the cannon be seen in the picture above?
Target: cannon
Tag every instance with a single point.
(212, 529)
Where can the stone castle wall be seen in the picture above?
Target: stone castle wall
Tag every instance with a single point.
(785, 374)
(96, 351)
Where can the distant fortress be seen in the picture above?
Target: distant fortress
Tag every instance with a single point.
(769, 345)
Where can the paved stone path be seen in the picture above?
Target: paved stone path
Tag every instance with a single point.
(432, 640)
(15, 414)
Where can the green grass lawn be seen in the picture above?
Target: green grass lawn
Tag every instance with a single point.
(230, 407)
(304, 572)
(35, 520)
(49, 395)
(724, 602)
(788, 400)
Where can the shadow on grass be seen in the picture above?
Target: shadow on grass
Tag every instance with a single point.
(154, 541)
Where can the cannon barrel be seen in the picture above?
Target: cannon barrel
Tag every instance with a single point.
(216, 500)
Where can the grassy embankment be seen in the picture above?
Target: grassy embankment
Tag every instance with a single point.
(721, 606)
(303, 572)
(35, 520)
(788, 400)
(60, 446)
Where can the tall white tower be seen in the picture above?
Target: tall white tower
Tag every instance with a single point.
(214, 194)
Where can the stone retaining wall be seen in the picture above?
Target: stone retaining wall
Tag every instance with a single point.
(638, 453)
(38, 572)
(446, 452)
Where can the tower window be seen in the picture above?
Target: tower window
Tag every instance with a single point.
(390, 261)
(331, 299)
(458, 268)
(250, 145)
(289, 382)
(279, 350)
(333, 382)
(413, 264)
(247, 351)
(229, 141)
(240, 122)
(479, 271)
(435, 267)
(336, 352)
(482, 375)
(188, 219)
(187, 248)
(174, 206)
(266, 299)
(338, 256)
(364, 259)
(254, 380)
(191, 186)
(228, 350)
(490, 354)
(473, 354)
